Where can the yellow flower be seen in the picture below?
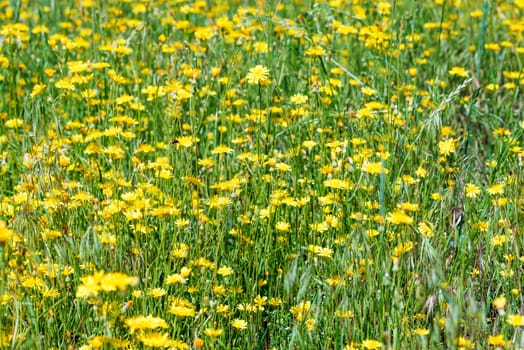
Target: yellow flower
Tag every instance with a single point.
(221, 149)
(218, 202)
(399, 217)
(421, 331)
(371, 344)
(425, 229)
(161, 340)
(157, 292)
(282, 226)
(104, 282)
(298, 99)
(496, 340)
(459, 71)
(496, 189)
(464, 343)
(309, 144)
(447, 147)
(239, 324)
(182, 308)
(368, 91)
(145, 322)
(402, 248)
(258, 75)
(324, 252)
(374, 168)
(5, 233)
(65, 84)
(499, 302)
(300, 310)
(499, 240)
(37, 89)
(14, 123)
(515, 320)
(213, 333)
(472, 190)
(337, 184)
(315, 51)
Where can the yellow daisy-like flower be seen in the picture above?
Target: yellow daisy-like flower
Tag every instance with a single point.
(515, 320)
(472, 190)
(5, 233)
(239, 324)
(374, 168)
(257, 75)
(447, 147)
(459, 71)
(399, 217)
(421, 331)
(213, 332)
(315, 51)
(337, 184)
(221, 149)
(298, 99)
(496, 340)
(499, 302)
(145, 322)
(371, 344)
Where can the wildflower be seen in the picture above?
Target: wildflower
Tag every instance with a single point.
(239, 324)
(298, 99)
(324, 252)
(309, 144)
(14, 123)
(399, 217)
(425, 229)
(50, 293)
(499, 303)
(282, 226)
(497, 340)
(421, 331)
(402, 248)
(213, 332)
(310, 324)
(258, 75)
(37, 89)
(225, 271)
(371, 344)
(499, 240)
(154, 340)
(337, 184)
(5, 233)
(471, 190)
(374, 168)
(515, 320)
(368, 91)
(459, 71)
(464, 343)
(315, 51)
(447, 146)
(145, 322)
(157, 292)
(198, 343)
(219, 202)
(221, 149)
(104, 282)
(300, 310)
(496, 189)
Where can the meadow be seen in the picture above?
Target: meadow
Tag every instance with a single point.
(342, 174)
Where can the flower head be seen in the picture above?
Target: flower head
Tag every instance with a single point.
(258, 75)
